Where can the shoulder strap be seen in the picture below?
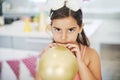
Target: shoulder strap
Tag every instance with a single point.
(83, 52)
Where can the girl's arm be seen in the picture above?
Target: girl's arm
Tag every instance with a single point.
(93, 71)
(37, 77)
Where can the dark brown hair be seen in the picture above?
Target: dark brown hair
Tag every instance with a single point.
(77, 15)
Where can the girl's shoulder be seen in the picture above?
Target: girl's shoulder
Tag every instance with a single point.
(89, 51)
(91, 55)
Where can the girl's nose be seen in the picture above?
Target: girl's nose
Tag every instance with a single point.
(64, 36)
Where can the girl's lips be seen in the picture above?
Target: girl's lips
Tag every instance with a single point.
(62, 44)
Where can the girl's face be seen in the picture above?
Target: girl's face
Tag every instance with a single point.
(65, 30)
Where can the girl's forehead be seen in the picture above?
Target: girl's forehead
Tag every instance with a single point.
(67, 21)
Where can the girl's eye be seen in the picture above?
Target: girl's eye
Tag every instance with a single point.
(57, 29)
(71, 30)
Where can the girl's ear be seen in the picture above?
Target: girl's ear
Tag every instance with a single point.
(81, 28)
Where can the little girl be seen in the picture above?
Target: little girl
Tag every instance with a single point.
(67, 29)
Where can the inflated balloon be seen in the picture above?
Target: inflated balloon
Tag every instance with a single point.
(58, 63)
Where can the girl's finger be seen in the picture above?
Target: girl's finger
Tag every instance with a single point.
(70, 46)
(52, 45)
(59, 44)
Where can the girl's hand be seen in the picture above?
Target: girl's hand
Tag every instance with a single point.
(49, 46)
(52, 45)
(74, 48)
(56, 44)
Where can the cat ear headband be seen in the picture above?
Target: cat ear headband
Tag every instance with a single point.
(71, 4)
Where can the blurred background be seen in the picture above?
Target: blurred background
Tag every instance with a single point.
(24, 32)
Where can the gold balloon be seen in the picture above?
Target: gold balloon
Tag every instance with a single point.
(58, 63)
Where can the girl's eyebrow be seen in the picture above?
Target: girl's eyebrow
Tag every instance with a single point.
(73, 28)
(56, 27)
(68, 28)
